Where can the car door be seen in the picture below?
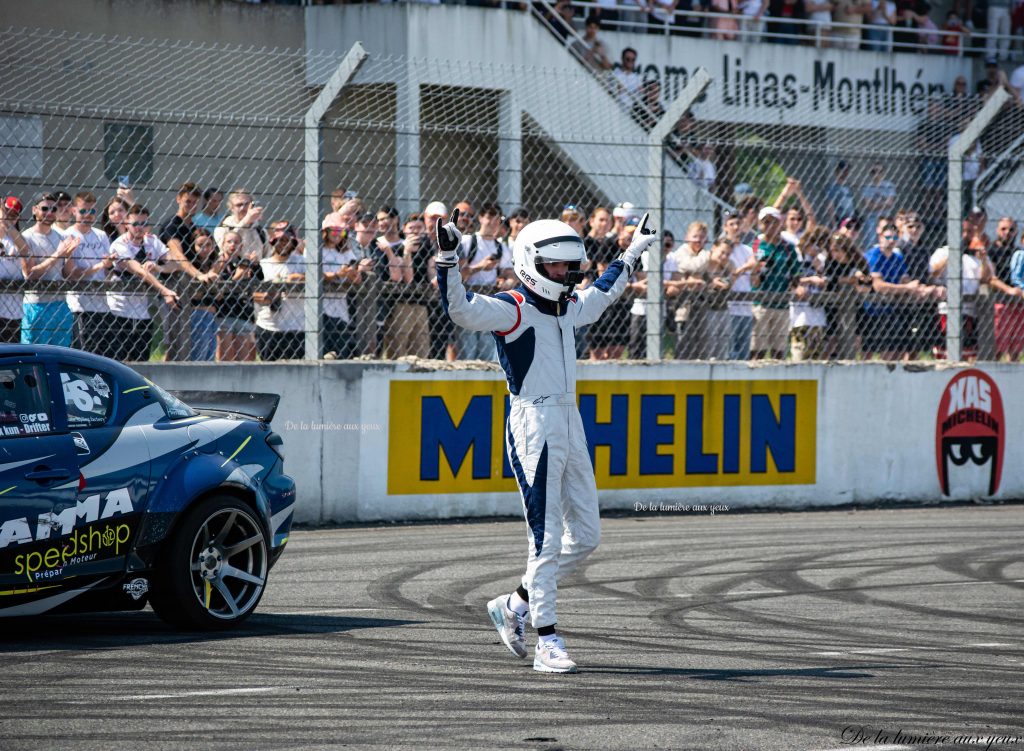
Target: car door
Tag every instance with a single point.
(112, 485)
(38, 483)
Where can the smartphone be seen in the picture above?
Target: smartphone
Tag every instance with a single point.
(124, 181)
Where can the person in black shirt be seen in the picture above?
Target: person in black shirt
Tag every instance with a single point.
(848, 279)
(204, 312)
(1003, 246)
(176, 233)
(236, 329)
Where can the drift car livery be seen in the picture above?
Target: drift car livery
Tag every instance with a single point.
(114, 492)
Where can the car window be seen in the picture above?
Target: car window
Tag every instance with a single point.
(88, 396)
(24, 401)
(173, 406)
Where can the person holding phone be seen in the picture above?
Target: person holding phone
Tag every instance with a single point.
(534, 328)
(341, 267)
(245, 217)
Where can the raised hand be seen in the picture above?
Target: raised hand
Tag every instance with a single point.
(643, 238)
(448, 240)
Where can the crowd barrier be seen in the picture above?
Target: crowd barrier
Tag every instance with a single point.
(374, 441)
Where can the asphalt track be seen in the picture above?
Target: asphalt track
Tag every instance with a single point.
(693, 631)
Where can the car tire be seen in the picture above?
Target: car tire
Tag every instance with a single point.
(214, 569)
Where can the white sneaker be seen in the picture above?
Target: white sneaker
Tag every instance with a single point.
(551, 657)
(509, 623)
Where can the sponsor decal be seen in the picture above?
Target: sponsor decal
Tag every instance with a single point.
(95, 507)
(970, 434)
(137, 588)
(96, 542)
(641, 434)
(81, 445)
(100, 386)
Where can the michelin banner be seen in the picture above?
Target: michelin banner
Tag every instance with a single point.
(641, 434)
(396, 441)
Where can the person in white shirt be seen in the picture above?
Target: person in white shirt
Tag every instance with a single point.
(91, 261)
(691, 259)
(136, 253)
(244, 217)
(629, 80)
(975, 269)
(46, 317)
(638, 286)
(280, 316)
(702, 168)
(741, 312)
(483, 261)
(342, 265)
(807, 317)
(12, 248)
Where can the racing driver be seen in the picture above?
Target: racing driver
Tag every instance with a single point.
(534, 329)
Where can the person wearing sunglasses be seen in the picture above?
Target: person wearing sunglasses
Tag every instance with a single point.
(467, 217)
(245, 217)
(885, 324)
(141, 254)
(46, 317)
(90, 261)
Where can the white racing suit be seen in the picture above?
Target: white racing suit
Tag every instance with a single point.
(547, 448)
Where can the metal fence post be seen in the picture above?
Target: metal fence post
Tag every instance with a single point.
(954, 221)
(698, 82)
(314, 190)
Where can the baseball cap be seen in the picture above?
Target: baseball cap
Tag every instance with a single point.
(991, 61)
(623, 210)
(11, 203)
(743, 189)
(332, 220)
(436, 208)
(842, 164)
(45, 196)
(367, 217)
(61, 195)
(852, 222)
(976, 211)
(769, 211)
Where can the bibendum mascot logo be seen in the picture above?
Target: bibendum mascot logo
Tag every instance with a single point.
(969, 435)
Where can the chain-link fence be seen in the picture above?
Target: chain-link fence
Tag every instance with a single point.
(287, 218)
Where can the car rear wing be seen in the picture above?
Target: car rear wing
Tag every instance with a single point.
(260, 406)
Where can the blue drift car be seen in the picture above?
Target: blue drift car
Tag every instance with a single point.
(115, 493)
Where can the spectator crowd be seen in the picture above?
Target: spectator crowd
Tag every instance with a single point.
(851, 279)
(989, 28)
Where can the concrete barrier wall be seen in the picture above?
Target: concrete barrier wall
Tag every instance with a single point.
(374, 441)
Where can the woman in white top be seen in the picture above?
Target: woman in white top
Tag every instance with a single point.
(340, 265)
(280, 316)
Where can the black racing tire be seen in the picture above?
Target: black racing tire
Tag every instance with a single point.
(213, 570)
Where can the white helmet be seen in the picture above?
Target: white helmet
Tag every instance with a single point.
(546, 241)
